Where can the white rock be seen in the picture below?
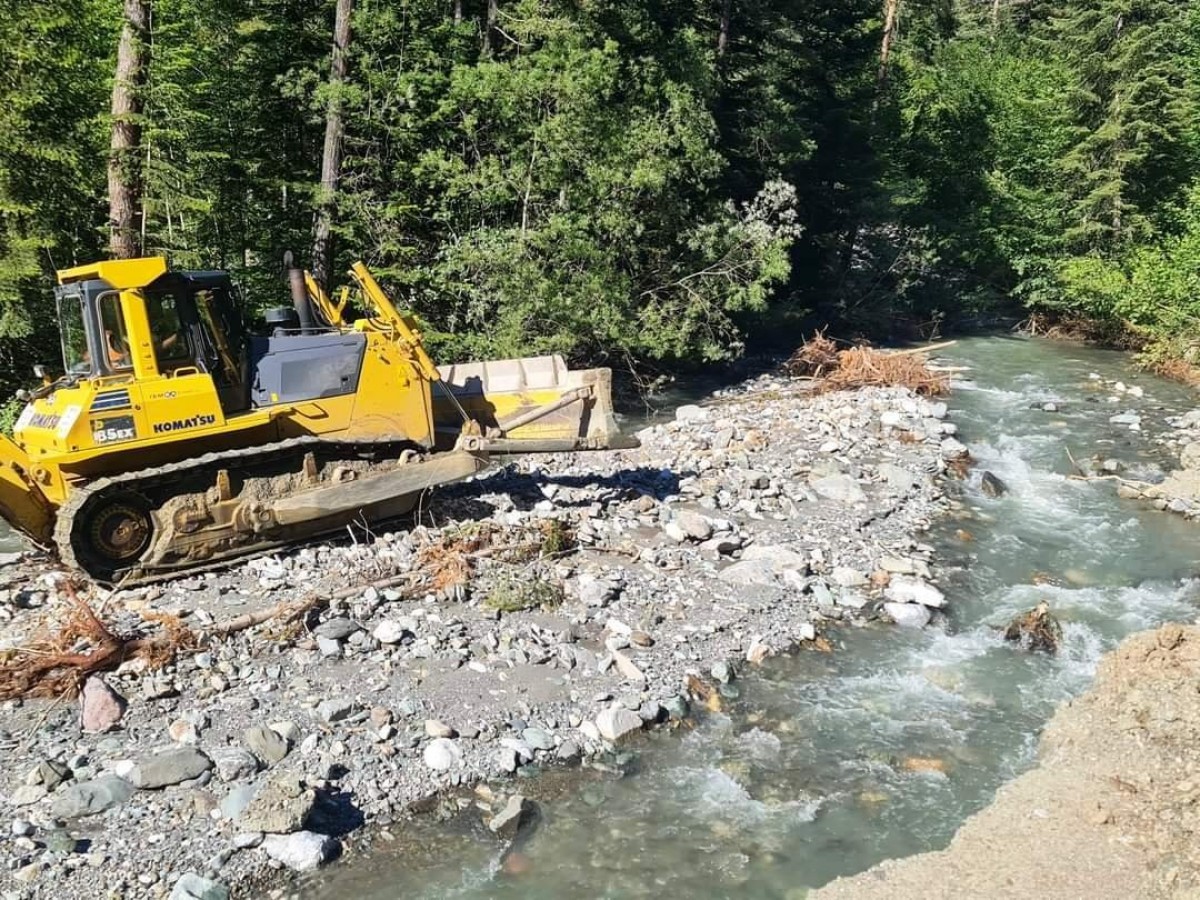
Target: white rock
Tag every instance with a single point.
(626, 667)
(839, 488)
(616, 723)
(844, 576)
(389, 632)
(952, 448)
(691, 413)
(908, 615)
(914, 590)
(441, 754)
(301, 851)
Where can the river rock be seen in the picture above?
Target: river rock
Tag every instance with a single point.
(782, 559)
(908, 615)
(844, 576)
(516, 814)
(914, 590)
(91, 797)
(193, 887)
(839, 488)
(335, 709)
(538, 738)
(169, 767)
(441, 754)
(302, 851)
(389, 632)
(101, 708)
(438, 729)
(233, 763)
(691, 413)
(695, 526)
(749, 571)
(898, 478)
(280, 806)
(952, 448)
(992, 486)
(617, 723)
(337, 629)
(49, 773)
(266, 744)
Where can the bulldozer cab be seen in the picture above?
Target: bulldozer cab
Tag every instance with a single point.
(179, 322)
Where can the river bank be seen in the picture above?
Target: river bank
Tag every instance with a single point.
(544, 614)
(1110, 811)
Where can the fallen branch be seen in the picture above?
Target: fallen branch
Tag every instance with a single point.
(914, 351)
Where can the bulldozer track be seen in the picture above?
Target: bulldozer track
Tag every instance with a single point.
(141, 481)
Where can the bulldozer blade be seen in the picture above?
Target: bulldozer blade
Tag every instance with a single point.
(373, 490)
(530, 405)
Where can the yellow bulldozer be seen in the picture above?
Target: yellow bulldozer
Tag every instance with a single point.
(181, 436)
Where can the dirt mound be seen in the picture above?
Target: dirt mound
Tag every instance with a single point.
(1111, 811)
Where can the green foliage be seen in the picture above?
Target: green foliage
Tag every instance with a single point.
(600, 180)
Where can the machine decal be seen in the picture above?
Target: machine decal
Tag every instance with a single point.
(69, 417)
(184, 424)
(26, 417)
(114, 430)
(42, 420)
(109, 401)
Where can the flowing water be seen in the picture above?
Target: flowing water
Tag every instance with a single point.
(817, 770)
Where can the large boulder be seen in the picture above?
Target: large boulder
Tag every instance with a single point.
(169, 767)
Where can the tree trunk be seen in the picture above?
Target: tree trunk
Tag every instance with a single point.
(995, 15)
(125, 170)
(891, 17)
(331, 157)
(458, 12)
(489, 27)
(723, 32)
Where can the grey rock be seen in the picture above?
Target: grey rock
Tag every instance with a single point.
(839, 488)
(898, 478)
(678, 707)
(844, 576)
(246, 840)
(27, 794)
(49, 774)
(567, 751)
(329, 647)
(538, 739)
(723, 672)
(91, 797)
(337, 629)
(749, 571)
(695, 526)
(908, 615)
(335, 709)
(617, 723)
(280, 806)
(236, 801)
(193, 887)
(438, 729)
(22, 828)
(302, 851)
(507, 759)
(169, 767)
(992, 486)
(233, 763)
(267, 744)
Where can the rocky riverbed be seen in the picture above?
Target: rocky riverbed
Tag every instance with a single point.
(544, 613)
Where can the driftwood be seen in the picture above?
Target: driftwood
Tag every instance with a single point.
(293, 609)
(1036, 629)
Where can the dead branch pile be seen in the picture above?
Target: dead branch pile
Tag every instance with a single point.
(1036, 629)
(867, 367)
(814, 358)
(819, 358)
(60, 661)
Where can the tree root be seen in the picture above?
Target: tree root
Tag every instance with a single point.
(55, 665)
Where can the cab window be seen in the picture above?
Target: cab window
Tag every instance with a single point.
(167, 331)
(114, 336)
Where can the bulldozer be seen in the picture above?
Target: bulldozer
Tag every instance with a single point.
(181, 435)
